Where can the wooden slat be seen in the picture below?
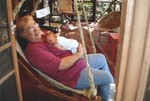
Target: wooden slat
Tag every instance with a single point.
(14, 57)
(5, 46)
(7, 76)
(57, 94)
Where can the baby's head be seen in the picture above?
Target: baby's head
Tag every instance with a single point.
(51, 38)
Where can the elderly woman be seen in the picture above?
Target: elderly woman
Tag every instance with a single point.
(61, 65)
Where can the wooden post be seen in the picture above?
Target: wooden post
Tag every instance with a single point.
(133, 50)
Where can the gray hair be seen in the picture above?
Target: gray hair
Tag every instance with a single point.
(21, 23)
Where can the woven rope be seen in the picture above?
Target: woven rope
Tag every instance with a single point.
(93, 90)
(90, 34)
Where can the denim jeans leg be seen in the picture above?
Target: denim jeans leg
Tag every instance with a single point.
(101, 74)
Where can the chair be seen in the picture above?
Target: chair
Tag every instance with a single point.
(109, 23)
(65, 7)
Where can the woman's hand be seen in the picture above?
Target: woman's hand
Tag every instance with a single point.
(80, 50)
(68, 61)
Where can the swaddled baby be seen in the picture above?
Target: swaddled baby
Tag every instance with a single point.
(62, 42)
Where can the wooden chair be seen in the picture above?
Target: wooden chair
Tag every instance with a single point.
(65, 7)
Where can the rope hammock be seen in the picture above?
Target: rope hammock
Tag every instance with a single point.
(86, 92)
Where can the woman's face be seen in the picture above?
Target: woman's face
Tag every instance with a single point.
(32, 31)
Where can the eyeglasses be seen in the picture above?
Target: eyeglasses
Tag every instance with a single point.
(33, 27)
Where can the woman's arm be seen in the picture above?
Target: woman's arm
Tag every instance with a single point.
(68, 61)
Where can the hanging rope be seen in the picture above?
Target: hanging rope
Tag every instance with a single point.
(90, 34)
(93, 90)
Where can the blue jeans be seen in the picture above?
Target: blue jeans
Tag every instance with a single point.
(101, 74)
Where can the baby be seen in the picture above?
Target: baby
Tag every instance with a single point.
(62, 42)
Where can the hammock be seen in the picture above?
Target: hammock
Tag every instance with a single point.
(85, 92)
(50, 80)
